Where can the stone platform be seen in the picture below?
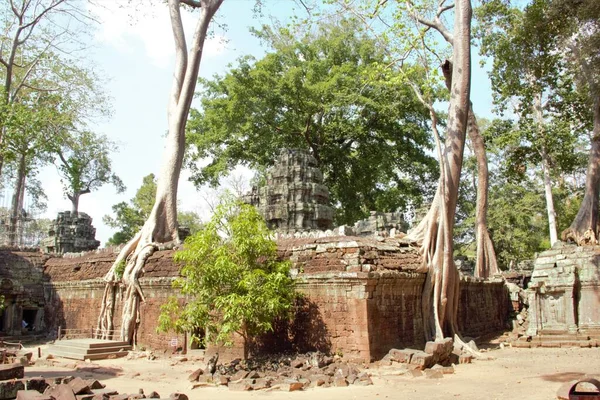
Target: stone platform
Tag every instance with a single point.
(91, 349)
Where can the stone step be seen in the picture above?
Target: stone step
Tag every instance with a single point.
(91, 343)
(81, 355)
(97, 350)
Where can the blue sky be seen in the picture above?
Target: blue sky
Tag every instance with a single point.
(135, 55)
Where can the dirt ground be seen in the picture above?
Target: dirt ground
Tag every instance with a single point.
(512, 373)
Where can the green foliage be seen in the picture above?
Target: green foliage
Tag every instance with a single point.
(85, 164)
(231, 276)
(120, 269)
(1, 302)
(332, 91)
(129, 218)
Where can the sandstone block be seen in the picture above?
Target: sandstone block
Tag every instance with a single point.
(401, 356)
(178, 396)
(241, 385)
(422, 360)
(94, 384)
(433, 374)
(39, 384)
(9, 389)
(340, 381)
(32, 395)
(11, 371)
(79, 386)
(61, 392)
(445, 370)
(193, 377)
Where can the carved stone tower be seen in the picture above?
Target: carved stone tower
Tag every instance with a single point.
(71, 233)
(294, 198)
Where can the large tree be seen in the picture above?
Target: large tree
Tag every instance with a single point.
(580, 37)
(84, 165)
(161, 225)
(528, 67)
(40, 46)
(331, 90)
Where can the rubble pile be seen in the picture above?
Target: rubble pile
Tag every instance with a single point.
(281, 373)
(436, 360)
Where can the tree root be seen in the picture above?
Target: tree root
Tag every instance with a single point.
(134, 253)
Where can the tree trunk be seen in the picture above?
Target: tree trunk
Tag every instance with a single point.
(161, 225)
(486, 264)
(584, 228)
(549, 199)
(441, 290)
(74, 202)
(17, 202)
(539, 118)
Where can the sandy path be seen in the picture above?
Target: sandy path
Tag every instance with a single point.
(514, 373)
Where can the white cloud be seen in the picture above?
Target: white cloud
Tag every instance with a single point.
(122, 20)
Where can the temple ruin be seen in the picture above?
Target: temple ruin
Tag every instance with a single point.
(71, 233)
(294, 198)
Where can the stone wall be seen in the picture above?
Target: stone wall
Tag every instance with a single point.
(21, 284)
(361, 296)
(563, 294)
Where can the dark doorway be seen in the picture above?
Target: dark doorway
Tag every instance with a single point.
(29, 316)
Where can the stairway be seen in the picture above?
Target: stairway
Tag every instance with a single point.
(91, 349)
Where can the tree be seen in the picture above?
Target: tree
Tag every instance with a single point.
(331, 90)
(527, 66)
(33, 32)
(85, 165)
(441, 290)
(580, 36)
(129, 218)
(161, 225)
(30, 132)
(232, 277)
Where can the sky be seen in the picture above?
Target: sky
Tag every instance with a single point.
(135, 54)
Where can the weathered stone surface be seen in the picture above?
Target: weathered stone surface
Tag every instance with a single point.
(193, 377)
(9, 389)
(401, 356)
(240, 385)
(61, 392)
(71, 233)
(32, 395)
(422, 360)
(79, 386)
(433, 374)
(178, 396)
(294, 198)
(11, 371)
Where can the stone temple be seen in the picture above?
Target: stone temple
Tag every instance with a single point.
(294, 198)
(71, 233)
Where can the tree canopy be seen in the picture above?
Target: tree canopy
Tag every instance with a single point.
(330, 91)
(85, 165)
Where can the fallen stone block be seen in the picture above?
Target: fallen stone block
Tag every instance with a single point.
(32, 395)
(415, 373)
(339, 381)
(290, 386)
(61, 392)
(11, 371)
(240, 385)
(86, 396)
(433, 374)
(94, 384)
(123, 396)
(178, 396)
(38, 384)
(422, 360)
(79, 386)
(444, 370)
(9, 389)
(401, 356)
(154, 395)
(195, 375)
(261, 383)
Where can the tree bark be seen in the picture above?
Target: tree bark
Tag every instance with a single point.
(584, 228)
(74, 203)
(161, 226)
(17, 202)
(539, 118)
(486, 264)
(441, 290)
